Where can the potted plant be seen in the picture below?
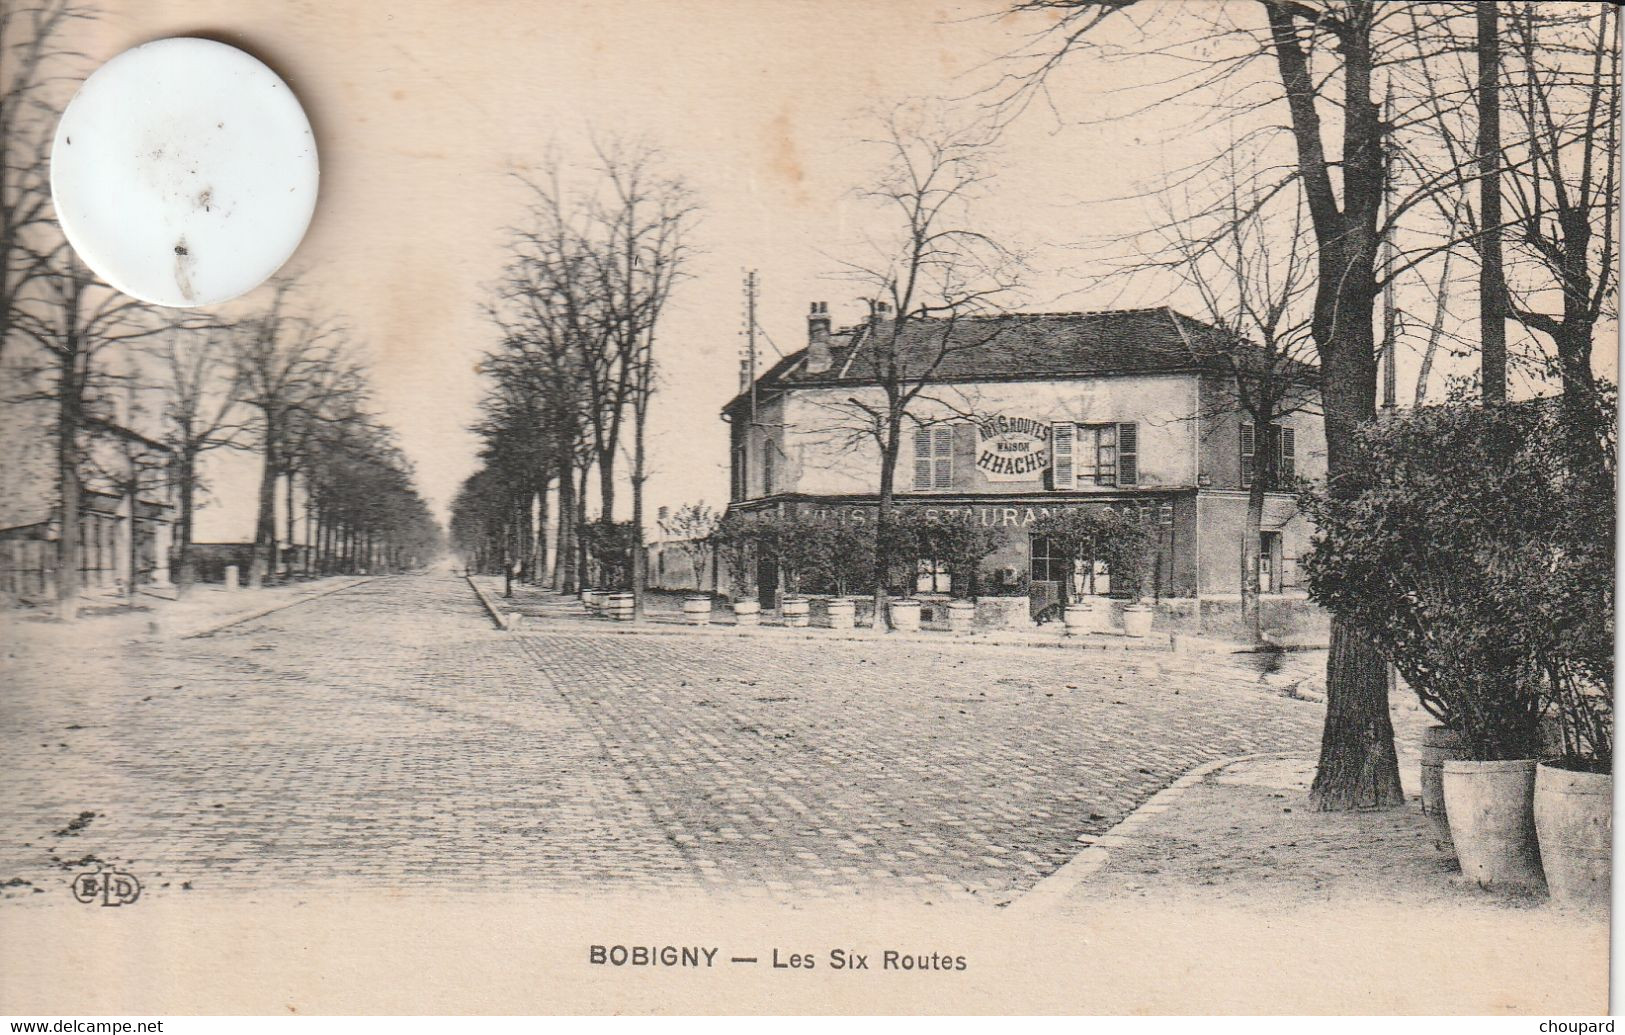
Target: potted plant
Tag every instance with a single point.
(688, 530)
(1437, 546)
(1574, 611)
(1574, 794)
(1093, 536)
(735, 542)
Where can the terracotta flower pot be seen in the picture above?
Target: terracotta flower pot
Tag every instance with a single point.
(1574, 818)
(1440, 744)
(1492, 821)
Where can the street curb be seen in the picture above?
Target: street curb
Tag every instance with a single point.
(497, 617)
(240, 619)
(1045, 896)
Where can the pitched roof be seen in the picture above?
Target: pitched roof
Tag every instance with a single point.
(1022, 346)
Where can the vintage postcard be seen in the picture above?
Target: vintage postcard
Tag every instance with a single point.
(988, 506)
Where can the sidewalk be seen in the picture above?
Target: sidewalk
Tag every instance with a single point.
(1299, 674)
(204, 609)
(1351, 907)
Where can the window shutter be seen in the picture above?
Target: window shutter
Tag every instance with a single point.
(943, 458)
(922, 458)
(1247, 447)
(1128, 454)
(1289, 451)
(1063, 475)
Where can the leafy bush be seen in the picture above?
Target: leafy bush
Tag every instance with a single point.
(735, 540)
(956, 541)
(1095, 534)
(610, 545)
(1466, 548)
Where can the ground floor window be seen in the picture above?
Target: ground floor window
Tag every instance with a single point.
(1048, 565)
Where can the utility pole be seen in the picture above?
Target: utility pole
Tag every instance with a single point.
(750, 376)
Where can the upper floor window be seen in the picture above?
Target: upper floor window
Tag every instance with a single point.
(1281, 447)
(739, 487)
(934, 458)
(767, 469)
(1095, 454)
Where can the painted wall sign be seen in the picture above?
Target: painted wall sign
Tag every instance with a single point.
(1012, 449)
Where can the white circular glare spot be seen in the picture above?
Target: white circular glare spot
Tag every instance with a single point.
(184, 172)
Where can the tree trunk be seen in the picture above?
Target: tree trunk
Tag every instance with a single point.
(185, 572)
(1358, 766)
(579, 547)
(639, 558)
(1251, 616)
(67, 458)
(883, 519)
(606, 485)
(265, 523)
(564, 554)
(293, 544)
(1492, 289)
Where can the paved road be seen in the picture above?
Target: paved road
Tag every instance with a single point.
(386, 735)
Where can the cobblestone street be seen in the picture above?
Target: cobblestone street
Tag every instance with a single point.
(386, 735)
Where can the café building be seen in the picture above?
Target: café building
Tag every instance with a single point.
(1023, 415)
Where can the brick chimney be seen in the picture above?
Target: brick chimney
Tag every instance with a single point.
(879, 316)
(819, 357)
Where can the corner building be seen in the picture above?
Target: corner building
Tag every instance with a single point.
(1022, 415)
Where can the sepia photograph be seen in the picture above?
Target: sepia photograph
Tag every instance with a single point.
(1097, 507)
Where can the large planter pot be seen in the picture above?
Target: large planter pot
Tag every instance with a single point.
(905, 615)
(697, 610)
(1574, 819)
(620, 606)
(961, 616)
(1137, 620)
(1440, 744)
(747, 612)
(841, 613)
(595, 600)
(1082, 616)
(1492, 821)
(796, 613)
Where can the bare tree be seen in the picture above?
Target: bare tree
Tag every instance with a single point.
(929, 283)
(201, 413)
(642, 229)
(1254, 272)
(1563, 185)
(32, 53)
(288, 364)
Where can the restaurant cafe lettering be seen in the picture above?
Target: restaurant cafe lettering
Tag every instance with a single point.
(987, 515)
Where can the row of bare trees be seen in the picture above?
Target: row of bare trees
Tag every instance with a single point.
(570, 383)
(166, 389)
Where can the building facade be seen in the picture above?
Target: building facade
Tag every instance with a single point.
(1022, 415)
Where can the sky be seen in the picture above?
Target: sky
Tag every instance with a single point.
(423, 112)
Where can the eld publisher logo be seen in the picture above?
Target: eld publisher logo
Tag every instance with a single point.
(108, 887)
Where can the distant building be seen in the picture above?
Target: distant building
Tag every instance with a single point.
(1025, 414)
(127, 506)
